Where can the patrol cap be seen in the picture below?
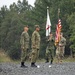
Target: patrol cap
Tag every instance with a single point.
(37, 26)
(26, 26)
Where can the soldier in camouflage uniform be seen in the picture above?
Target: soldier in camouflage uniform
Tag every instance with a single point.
(60, 49)
(50, 49)
(35, 45)
(24, 41)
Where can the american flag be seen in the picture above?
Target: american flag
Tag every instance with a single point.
(58, 30)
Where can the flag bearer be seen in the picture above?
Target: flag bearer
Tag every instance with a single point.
(50, 49)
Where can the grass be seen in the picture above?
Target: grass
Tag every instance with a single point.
(5, 58)
(69, 59)
(66, 59)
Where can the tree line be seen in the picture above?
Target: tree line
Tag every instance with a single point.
(14, 18)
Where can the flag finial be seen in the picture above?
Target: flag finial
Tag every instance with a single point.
(47, 7)
(58, 12)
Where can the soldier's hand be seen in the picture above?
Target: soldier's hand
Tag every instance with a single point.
(28, 50)
(60, 45)
(34, 47)
(33, 52)
(22, 47)
(47, 41)
(37, 48)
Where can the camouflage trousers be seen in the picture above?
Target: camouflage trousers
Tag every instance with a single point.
(60, 52)
(49, 52)
(24, 55)
(34, 55)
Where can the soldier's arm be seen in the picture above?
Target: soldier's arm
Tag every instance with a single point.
(22, 40)
(53, 39)
(64, 41)
(38, 41)
(33, 40)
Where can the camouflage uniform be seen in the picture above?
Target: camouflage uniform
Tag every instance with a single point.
(24, 45)
(35, 46)
(60, 48)
(50, 50)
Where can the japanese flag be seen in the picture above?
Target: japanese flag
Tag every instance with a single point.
(48, 24)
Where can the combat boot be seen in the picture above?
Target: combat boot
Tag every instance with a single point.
(33, 65)
(47, 60)
(22, 65)
(51, 60)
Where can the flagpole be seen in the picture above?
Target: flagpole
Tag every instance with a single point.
(58, 13)
(56, 41)
(59, 18)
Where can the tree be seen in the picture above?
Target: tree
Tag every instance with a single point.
(39, 16)
(71, 22)
(12, 21)
(12, 27)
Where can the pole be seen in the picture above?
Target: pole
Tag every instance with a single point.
(58, 13)
(58, 22)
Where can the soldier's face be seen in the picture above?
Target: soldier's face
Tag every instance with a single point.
(38, 29)
(51, 34)
(26, 28)
(61, 35)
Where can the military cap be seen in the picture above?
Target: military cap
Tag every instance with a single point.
(37, 26)
(26, 26)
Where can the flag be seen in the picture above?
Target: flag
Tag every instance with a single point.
(48, 24)
(58, 31)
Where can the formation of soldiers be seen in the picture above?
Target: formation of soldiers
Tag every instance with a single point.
(35, 47)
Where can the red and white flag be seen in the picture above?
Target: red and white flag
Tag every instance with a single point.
(58, 30)
(48, 24)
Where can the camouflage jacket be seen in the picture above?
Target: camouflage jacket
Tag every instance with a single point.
(35, 40)
(50, 42)
(24, 41)
(62, 41)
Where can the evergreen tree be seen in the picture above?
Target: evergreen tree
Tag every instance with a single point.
(13, 20)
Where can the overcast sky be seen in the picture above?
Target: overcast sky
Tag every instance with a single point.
(8, 2)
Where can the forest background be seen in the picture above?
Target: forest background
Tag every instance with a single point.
(14, 18)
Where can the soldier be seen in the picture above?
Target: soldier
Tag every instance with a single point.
(24, 41)
(35, 45)
(61, 48)
(50, 49)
